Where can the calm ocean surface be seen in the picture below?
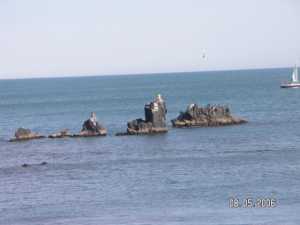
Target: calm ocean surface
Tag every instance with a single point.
(185, 177)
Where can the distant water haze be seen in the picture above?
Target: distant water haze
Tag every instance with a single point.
(95, 37)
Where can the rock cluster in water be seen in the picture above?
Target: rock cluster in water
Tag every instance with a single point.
(90, 128)
(154, 122)
(209, 116)
(23, 134)
(61, 134)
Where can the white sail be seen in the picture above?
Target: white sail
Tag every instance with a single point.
(295, 75)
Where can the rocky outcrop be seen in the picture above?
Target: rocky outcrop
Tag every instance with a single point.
(209, 116)
(140, 126)
(154, 122)
(91, 128)
(23, 134)
(25, 165)
(61, 134)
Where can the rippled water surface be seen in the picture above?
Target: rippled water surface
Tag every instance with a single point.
(186, 176)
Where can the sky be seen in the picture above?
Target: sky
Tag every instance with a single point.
(97, 37)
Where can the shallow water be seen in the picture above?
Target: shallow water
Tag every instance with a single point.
(183, 177)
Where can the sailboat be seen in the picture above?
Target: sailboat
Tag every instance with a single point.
(294, 83)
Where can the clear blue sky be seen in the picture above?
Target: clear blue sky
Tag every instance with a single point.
(94, 37)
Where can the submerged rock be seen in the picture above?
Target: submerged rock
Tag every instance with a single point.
(154, 122)
(25, 165)
(25, 134)
(91, 128)
(62, 134)
(208, 116)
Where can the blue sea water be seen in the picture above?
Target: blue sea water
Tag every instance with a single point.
(184, 177)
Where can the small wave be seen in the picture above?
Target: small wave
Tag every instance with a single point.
(250, 151)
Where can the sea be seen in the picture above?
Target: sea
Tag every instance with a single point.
(198, 176)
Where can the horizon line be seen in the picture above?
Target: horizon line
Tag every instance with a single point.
(137, 73)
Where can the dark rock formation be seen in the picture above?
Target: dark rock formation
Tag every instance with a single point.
(208, 116)
(91, 128)
(62, 134)
(155, 120)
(25, 165)
(25, 134)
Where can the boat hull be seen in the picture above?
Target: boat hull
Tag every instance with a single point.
(291, 85)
